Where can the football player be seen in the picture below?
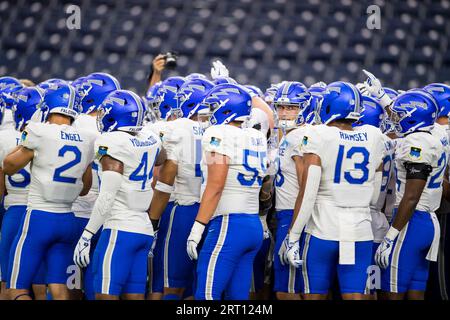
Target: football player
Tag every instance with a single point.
(127, 158)
(16, 186)
(420, 160)
(341, 177)
(373, 114)
(61, 158)
(93, 90)
(233, 167)
(181, 176)
(291, 99)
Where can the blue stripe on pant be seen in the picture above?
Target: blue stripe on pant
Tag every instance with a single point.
(179, 269)
(408, 267)
(156, 274)
(12, 222)
(43, 236)
(287, 278)
(120, 262)
(321, 264)
(225, 261)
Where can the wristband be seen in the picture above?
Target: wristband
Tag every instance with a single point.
(163, 187)
(392, 233)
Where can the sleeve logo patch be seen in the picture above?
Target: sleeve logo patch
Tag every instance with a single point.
(305, 140)
(215, 141)
(102, 151)
(415, 153)
(24, 136)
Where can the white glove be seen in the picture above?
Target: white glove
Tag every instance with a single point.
(81, 254)
(290, 252)
(385, 248)
(194, 239)
(219, 70)
(373, 86)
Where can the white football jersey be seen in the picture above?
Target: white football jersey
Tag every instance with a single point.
(349, 161)
(61, 155)
(247, 153)
(160, 128)
(17, 185)
(82, 207)
(421, 147)
(380, 224)
(286, 184)
(440, 132)
(183, 145)
(8, 122)
(138, 155)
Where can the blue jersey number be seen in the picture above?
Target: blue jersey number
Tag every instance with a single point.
(280, 178)
(140, 174)
(198, 157)
(436, 180)
(57, 176)
(262, 162)
(358, 166)
(20, 184)
(387, 165)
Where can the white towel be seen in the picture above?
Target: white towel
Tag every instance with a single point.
(346, 252)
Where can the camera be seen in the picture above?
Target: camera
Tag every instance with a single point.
(171, 59)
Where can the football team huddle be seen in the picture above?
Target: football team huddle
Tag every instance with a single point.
(208, 189)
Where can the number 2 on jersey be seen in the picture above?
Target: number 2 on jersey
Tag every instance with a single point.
(358, 166)
(137, 176)
(57, 176)
(436, 180)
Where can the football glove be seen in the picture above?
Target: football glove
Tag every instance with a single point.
(385, 248)
(373, 86)
(289, 252)
(194, 239)
(81, 254)
(219, 70)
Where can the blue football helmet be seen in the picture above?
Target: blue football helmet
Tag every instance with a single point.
(44, 85)
(341, 100)
(77, 83)
(391, 92)
(414, 111)
(190, 96)
(222, 80)
(121, 110)
(292, 93)
(8, 87)
(372, 113)
(228, 102)
(441, 92)
(316, 91)
(195, 76)
(28, 101)
(62, 99)
(95, 88)
(166, 96)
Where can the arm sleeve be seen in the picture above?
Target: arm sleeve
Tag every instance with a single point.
(110, 145)
(31, 136)
(173, 141)
(216, 140)
(111, 182)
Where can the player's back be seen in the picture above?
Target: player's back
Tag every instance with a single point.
(17, 185)
(388, 168)
(61, 155)
(138, 154)
(247, 153)
(421, 147)
(349, 160)
(184, 146)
